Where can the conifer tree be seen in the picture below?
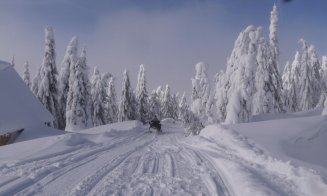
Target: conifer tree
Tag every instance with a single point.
(111, 103)
(47, 91)
(98, 98)
(142, 96)
(200, 90)
(154, 105)
(167, 105)
(67, 64)
(78, 108)
(26, 75)
(273, 32)
(127, 106)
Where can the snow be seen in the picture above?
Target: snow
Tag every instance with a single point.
(125, 159)
(19, 107)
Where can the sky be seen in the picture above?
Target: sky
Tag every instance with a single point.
(168, 36)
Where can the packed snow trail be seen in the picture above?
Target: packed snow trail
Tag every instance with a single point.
(136, 162)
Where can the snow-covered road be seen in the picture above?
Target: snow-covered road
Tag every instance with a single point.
(135, 162)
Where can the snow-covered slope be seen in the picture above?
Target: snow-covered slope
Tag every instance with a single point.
(125, 159)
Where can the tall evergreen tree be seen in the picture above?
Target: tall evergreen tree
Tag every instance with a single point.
(98, 98)
(26, 75)
(111, 103)
(48, 85)
(240, 76)
(167, 105)
(36, 82)
(154, 105)
(127, 106)
(200, 90)
(323, 73)
(67, 64)
(78, 108)
(142, 96)
(273, 32)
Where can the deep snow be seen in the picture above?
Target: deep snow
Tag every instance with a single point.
(125, 159)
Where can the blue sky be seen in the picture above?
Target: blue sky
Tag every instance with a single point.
(168, 36)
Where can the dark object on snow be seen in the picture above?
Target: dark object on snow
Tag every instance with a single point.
(155, 124)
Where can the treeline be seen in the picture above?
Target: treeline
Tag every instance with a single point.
(80, 100)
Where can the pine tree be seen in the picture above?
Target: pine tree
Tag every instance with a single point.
(26, 75)
(127, 106)
(13, 61)
(323, 73)
(240, 76)
(98, 98)
(167, 105)
(268, 95)
(200, 90)
(273, 31)
(36, 82)
(67, 64)
(78, 108)
(111, 103)
(183, 109)
(220, 96)
(309, 81)
(154, 105)
(47, 91)
(142, 96)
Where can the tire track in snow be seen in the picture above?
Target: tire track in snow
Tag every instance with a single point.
(48, 171)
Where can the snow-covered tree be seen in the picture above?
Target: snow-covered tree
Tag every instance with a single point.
(142, 96)
(111, 103)
(78, 108)
(167, 105)
(26, 75)
(36, 82)
(323, 73)
(273, 32)
(154, 105)
(239, 78)
(98, 97)
(200, 90)
(47, 91)
(127, 106)
(13, 61)
(220, 96)
(183, 109)
(309, 81)
(268, 83)
(67, 64)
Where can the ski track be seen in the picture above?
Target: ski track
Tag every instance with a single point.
(141, 164)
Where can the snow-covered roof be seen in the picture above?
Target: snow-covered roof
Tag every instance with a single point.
(19, 108)
(4, 65)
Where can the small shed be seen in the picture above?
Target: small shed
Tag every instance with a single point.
(19, 108)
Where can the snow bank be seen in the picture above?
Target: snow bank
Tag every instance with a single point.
(302, 140)
(258, 167)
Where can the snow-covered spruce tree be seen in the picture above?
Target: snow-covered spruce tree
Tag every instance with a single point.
(47, 91)
(315, 65)
(160, 94)
(111, 102)
(127, 106)
(175, 103)
(273, 33)
(239, 79)
(323, 73)
(268, 83)
(36, 82)
(167, 104)
(26, 75)
(78, 108)
(98, 97)
(141, 94)
(190, 121)
(67, 64)
(200, 90)
(154, 105)
(308, 83)
(13, 61)
(220, 96)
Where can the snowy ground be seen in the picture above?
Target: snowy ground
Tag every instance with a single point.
(124, 159)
